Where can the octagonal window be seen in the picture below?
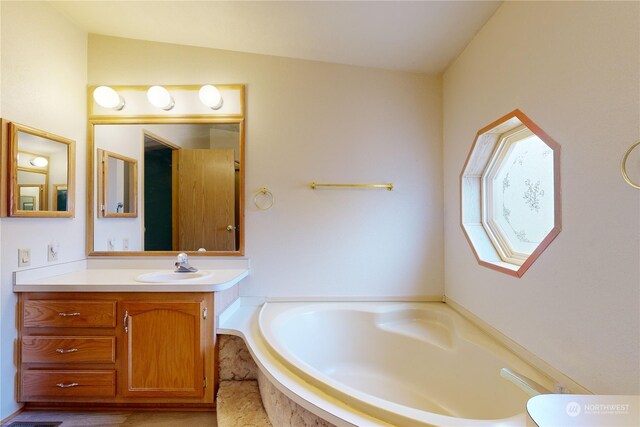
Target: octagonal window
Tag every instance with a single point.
(518, 183)
(510, 194)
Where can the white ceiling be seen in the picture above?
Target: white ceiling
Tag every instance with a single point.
(419, 36)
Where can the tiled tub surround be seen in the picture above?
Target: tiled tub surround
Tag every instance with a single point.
(345, 385)
(234, 360)
(238, 400)
(238, 394)
(284, 411)
(238, 404)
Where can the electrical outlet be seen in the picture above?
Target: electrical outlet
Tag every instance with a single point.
(125, 243)
(52, 252)
(24, 257)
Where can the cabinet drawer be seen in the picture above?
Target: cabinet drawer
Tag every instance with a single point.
(69, 314)
(61, 384)
(36, 349)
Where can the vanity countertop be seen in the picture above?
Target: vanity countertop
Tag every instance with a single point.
(123, 280)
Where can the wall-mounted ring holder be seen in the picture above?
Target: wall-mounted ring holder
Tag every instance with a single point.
(623, 167)
(264, 199)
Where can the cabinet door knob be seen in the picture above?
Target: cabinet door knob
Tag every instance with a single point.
(62, 385)
(63, 351)
(69, 314)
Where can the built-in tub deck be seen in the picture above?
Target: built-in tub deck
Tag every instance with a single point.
(401, 364)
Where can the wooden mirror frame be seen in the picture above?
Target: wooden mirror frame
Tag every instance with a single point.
(103, 185)
(99, 116)
(14, 192)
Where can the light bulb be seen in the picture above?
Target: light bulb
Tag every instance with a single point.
(160, 97)
(210, 96)
(107, 97)
(39, 162)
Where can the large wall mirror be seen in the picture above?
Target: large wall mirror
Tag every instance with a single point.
(165, 183)
(41, 173)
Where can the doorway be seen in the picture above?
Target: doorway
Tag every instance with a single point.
(158, 190)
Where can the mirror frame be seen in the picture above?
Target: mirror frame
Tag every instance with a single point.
(103, 184)
(122, 117)
(14, 192)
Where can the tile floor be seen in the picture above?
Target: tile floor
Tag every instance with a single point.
(120, 418)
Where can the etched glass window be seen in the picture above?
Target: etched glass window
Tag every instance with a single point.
(519, 187)
(510, 206)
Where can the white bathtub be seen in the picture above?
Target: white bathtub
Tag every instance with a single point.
(406, 364)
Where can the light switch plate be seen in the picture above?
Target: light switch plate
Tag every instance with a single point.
(52, 252)
(24, 257)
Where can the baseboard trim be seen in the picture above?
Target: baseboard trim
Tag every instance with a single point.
(10, 417)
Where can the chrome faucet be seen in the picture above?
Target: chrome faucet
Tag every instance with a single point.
(182, 264)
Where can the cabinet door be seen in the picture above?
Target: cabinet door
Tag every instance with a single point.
(163, 354)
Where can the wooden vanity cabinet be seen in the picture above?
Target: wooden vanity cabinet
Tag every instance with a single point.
(163, 352)
(131, 349)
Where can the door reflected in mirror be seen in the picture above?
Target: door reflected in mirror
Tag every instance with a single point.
(117, 185)
(60, 200)
(38, 160)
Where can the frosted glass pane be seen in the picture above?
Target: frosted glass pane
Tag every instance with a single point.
(523, 199)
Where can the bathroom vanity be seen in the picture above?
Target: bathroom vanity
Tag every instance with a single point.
(119, 342)
(116, 347)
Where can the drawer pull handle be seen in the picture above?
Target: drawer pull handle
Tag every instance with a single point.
(62, 385)
(69, 314)
(63, 351)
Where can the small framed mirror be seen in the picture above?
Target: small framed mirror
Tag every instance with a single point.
(41, 173)
(117, 185)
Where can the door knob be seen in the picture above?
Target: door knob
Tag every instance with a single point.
(230, 227)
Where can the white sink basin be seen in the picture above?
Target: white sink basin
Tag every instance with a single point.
(169, 276)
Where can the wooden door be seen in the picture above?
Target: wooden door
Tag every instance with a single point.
(163, 354)
(204, 208)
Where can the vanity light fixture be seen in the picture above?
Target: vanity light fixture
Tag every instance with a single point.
(39, 162)
(211, 97)
(160, 97)
(107, 97)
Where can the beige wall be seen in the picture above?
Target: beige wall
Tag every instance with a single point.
(311, 121)
(43, 69)
(572, 67)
